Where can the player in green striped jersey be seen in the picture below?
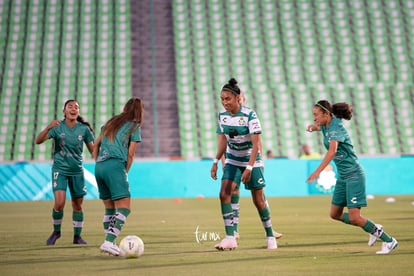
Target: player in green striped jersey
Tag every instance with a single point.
(239, 132)
(350, 187)
(68, 135)
(235, 196)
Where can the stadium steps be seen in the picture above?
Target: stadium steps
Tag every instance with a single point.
(153, 75)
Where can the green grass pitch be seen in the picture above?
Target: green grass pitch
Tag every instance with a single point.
(312, 244)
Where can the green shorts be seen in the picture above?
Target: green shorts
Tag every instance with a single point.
(234, 173)
(350, 190)
(76, 184)
(112, 179)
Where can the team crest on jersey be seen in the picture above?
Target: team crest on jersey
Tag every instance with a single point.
(241, 121)
(80, 137)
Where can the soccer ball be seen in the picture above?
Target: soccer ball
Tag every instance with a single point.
(131, 247)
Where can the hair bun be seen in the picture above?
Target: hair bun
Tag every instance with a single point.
(232, 81)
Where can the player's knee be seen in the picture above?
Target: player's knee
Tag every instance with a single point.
(59, 207)
(260, 203)
(225, 196)
(335, 216)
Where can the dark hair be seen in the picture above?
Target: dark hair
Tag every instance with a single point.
(340, 110)
(79, 118)
(232, 87)
(133, 112)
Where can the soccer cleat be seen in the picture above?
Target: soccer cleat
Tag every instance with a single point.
(277, 235)
(111, 248)
(52, 239)
(78, 240)
(229, 243)
(375, 235)
(271, 243)
(387, 247)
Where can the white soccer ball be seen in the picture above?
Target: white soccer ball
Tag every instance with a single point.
(131, 247)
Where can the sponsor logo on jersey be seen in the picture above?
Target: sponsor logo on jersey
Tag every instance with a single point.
(255, 125)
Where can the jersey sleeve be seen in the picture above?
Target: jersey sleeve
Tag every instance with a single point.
(52, 132)
(219, 129)
(89, 137)
(336, 131)
(254, 124)
(136, 135)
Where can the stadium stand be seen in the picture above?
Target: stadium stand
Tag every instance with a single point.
(289, 54)
(177, 54)
(53, 51)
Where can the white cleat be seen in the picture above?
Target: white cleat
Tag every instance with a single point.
(271, 243)
(375, 236)
(110, 248)
(228, 242)
(387, 247)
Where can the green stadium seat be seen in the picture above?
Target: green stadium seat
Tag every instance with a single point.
(403, 94)
(385, 119)
(365, 119)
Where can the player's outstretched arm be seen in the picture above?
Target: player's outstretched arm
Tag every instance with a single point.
(311, 128)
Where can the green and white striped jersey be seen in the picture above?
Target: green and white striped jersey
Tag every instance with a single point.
(238, 129)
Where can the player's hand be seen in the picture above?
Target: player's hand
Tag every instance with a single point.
(312, 178)
(247, 174)
(213, 171)
(53, 124)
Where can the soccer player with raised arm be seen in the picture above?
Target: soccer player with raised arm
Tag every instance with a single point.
(68, 135)
(350, 187)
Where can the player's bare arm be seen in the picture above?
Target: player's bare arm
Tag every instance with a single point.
(222, 144)
(329, 156)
